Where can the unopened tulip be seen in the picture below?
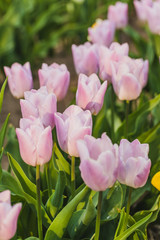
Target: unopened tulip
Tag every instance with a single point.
(39, 104)
(141, 7)
(90, 93)
(19, 79)
(102, 32)
(35, 141)
(134, 164)
(153, 17)
(8, 216)
(106, 55)
(118, 14)
(99, 162)
(85, 58)
(72, 125)
(56, 78)
(129, 76)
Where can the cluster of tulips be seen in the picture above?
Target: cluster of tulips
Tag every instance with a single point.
(102, 163)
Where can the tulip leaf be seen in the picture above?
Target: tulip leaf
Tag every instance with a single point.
(133, 228)
(136, 119)
(27, 185)
(2, 93)
(81, 219)
(32, 238)
(56, 199)
(60, 223)
(61, 161)
(112, 202)
(9, 182)
(3, 131)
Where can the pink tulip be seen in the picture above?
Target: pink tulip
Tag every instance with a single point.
(35, 141)
(102, 32)
(141, 7)
(118, 14)
(19, 79)
(39, 104)
(99, 162)
(134, 164)
(153, 17)
(8, 216)
(90, 93)
(85, 58)
(129, 76)
(72, 125)
(106, 55)
(56, 78)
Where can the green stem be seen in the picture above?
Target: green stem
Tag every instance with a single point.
(127, 209)
(48, 180)
(72, 176)
(98, 219)
(112, 113)
(39, 215)
(126, 116)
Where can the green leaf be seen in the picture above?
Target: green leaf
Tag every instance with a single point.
(27, 185)
(133, 228)
(61, 161)
(3, 131)
(136, 119)
(55, 201)
(2, 94)
(60, 223)
(81, 219)
(112, 202)
(32, 238)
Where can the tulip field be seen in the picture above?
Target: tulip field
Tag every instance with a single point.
(92, 171)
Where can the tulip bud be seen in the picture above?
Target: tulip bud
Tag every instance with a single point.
(39, 104)
(72, 125)
(35, 141)
(102, 32)
(56, 78)
(19, 79)
(106, 55)
(134, 164)
(8, 216)
(118, 14)
(90, 93)
(99, 162)
(85, 58)
(129, 76)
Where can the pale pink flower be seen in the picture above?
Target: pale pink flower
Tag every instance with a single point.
(99, 162)
(40, 104)
(72, 125)
(134, 164)
(35, 141)
(8, 216)
(118, 14)
(90, 93)
(56, 78)
(19, 79)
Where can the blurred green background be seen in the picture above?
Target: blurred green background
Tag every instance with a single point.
(34, 29)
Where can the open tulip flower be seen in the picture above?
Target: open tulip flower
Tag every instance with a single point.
(99, 162)
(40, 104)
(8, 216)
(72, 125)
(134, 164)
(56, 78)
(19, 79)
(141, 7)
(118, 14)
(35, 141)
(90, 93)
(129, 76)
(85, 58)
(102, 32)
(106, 55)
